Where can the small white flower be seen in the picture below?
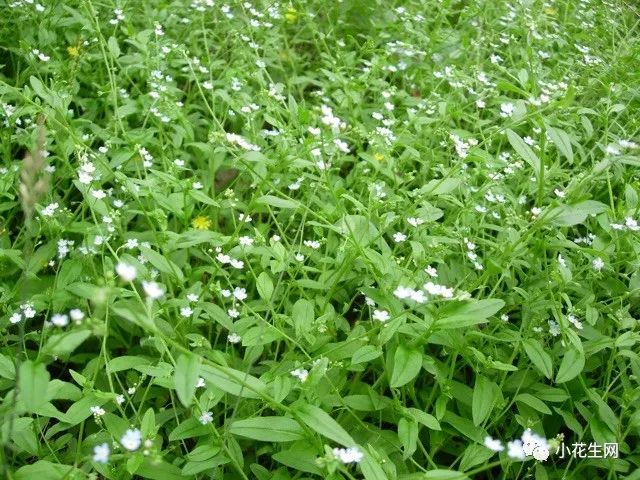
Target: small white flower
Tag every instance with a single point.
(153, 290)
(200, 383)
(240, 293)
(399, 237)
(245, 241)
(126, 272)
(403, 292)
(206, 418)
(348, 455)
(299, 257)
(301, 374)
(186, 311)
(99, 194)
(120, 399)
(507, 109)
(514, 450)
(598, 264)
(15, 318)
(76, 314)
(233, 313)
(381, 315)
(312, 244)
(431, 271)
(131, 439)
(97, 411)
(493, 444)
(234, 338)
(101, 453)
(415, 222)
(559, 193)
(60, 320)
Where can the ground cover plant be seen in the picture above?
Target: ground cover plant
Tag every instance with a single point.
(322, 239)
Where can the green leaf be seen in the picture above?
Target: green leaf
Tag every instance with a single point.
(202, 197)
(406, 365)
(485, 394)
(571, 366)
(408, 435)
(300, 457)
(264, 284)
(533, 402)
(44, 470)
(65, 343)
(444, 475)
(190, 428)
(185, 377)
(468, 314)
(524, 151)
(562, 142)
(569, 215)
(322, 423)
(440, 186)
(371, 468)
(32, 384)
(114, 49)
(233, 381)
(163, 264)
(540, 358)
(302, 316)
(268, 429)
(277, 202)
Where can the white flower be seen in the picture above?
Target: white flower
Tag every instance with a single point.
(234, 338)
(493, 444)
(28, 310)
(200, 383)
(153, 290)
(418, 296)
(97, 411)
(49, 210)
(431, 271)
(240, 293)
(598, 264)
(15, 318)
(120, 399)
(197, 186)
(206, 418)
(541, 453)
(239, 264)
(233, 313)
(348, 455)
(399, 237)
(381, 315)
(301, 374)
(514, 450)
(631, 224)
(207, 85)
(299, 257)
(99, 194)
(559, 193)
(413, 221)
(403, 292)
(60, 320)
(507, 109)
(126, 272)
(312, 244)
(186, 311)
(531, 440)
(192, 297)
(101, 453)
(131, 439)
(76, 314)
(245, 241)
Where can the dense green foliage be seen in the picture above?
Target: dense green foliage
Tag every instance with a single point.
(323, 239)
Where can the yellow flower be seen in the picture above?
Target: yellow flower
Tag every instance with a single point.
(201, 222)
(378, 156)
(550, 11)
(291, 15)
(73, 51)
